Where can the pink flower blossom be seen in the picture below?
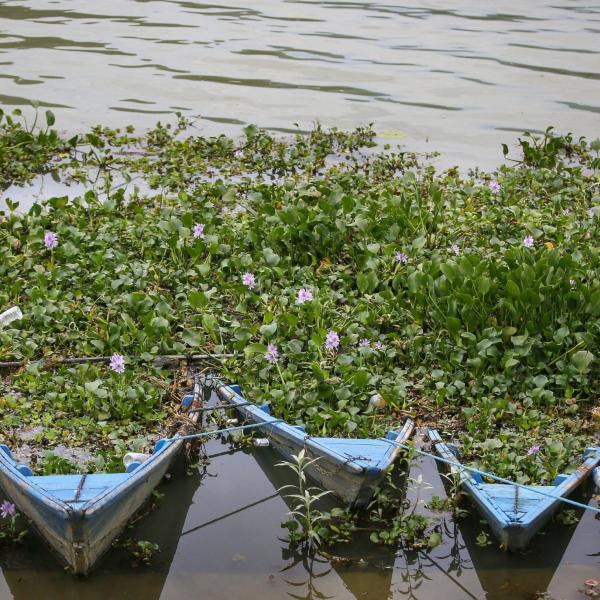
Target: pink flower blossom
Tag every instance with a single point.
(50, 240)
(249, 280)
(272, 353)
(199, 230)
(494, 186)
(332, 341)
(528, 242)
(401, 257)
(533, 450)
(304, 295)
(8, 509)
(117, 363)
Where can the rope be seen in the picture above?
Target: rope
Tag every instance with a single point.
(218, 431)
(494, 477)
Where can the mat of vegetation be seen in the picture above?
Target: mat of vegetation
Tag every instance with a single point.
(335, 270)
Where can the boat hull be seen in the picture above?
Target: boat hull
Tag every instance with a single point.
(79, 536)
(336, 467)
(79, 516)
(516, 514)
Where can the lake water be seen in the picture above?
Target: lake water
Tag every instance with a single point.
(220, 539)
(459, 77)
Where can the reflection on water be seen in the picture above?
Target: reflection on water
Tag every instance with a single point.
(220, 538)
(453, 78)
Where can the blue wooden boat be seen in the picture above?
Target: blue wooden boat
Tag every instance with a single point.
(350, 468)
(597, 477)
(515, 514)
(80, 515)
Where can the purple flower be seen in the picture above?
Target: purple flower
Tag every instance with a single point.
(199, 230)
(364, 343)
(50, 240)
(332, 341)
(378, 345)
(592, 212)
(401, 257)
(304, 295)
(455, 249)
(272, 353)
(528, 242)
(533, 450)
(8, 509)
(249, 280)
(117, 363)
(494, 186)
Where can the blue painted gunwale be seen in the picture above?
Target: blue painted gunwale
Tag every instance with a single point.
(597, 477)
(515, 515)
(349, 467)
(81, 528)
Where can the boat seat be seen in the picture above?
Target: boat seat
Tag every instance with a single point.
(363, 452)
(76, 490)
(504, 497)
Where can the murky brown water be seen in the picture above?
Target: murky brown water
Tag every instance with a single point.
(220, 538)
(460, 77)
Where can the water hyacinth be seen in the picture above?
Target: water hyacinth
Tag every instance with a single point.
(592, 212)
(332, 341)
(533, 450)
(249, 280)
(127, 258)
(494, 186)
(304, 295)
(272, 353)
(8, 510)
(117, 363)
(199, 230)
(50, 240)
(528, 242)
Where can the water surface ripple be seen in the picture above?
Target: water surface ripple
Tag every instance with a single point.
(455, 77)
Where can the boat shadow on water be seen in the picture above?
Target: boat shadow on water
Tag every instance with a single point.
(527, 574)
(219, 531)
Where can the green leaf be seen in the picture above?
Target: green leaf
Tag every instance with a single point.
(159, 323)
(367, 282)
(197, 299)
(453, 325)
(50, 118)
(582, 360)
(268, 330)
(270, 257)
(512, 289)
(210, 323)
(191, 338)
